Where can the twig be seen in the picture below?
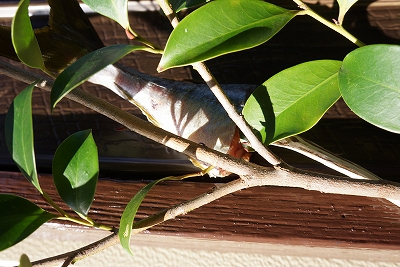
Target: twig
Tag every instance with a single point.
(83, 252)
(169, 12)
(219, 93)
(233, 114)
(337, 28)
(317, 153)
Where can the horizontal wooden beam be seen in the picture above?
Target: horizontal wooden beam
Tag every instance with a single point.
(264, 214)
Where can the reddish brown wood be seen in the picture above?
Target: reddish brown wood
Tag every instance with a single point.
(263, 214)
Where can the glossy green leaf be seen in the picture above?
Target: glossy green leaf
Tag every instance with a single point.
(221, 27)
(23, 38)
(76, 169)
(19, 135)
(24, 261)
(128, 216)
(178, 5)
(18, 219)
(369, 81)
(344, 6)
(81, 70)
(293, 100)
(116, 10)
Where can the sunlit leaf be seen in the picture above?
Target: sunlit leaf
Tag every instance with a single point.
(19, 135)
(24, 261)
(83, 68)
(222, 27)
(128, 216)
(18, 219)
(75, 171)
(344, 6)
(116, 10)
(369, 81)
(23, 38)
(178, 5)
(293, 100)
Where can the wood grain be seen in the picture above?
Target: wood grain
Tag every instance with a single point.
(263, 214)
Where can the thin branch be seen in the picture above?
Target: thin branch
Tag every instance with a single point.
(169, 12)
(233, 114)
(219, 93)
(83, 252)
(337, 28)
(325, 157)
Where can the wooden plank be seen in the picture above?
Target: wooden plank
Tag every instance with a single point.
(264, 214)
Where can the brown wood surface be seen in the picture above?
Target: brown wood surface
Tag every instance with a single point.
(262, 214)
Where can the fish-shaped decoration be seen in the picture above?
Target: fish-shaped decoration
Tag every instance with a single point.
(188, 110)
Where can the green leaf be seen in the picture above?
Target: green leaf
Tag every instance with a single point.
(129, 213)
(369, 81)
(76, 169)
(116, 10)
(178, 5)
(19, 135)
(24, 261)
(223, 27)
(18, 219)
(293, 100)
(81, 70)
(23, 38)
(344, 6)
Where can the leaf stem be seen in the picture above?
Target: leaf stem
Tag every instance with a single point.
(144, 41)
(86, 221)
(75, 220)
(53, 204)
(336, 27)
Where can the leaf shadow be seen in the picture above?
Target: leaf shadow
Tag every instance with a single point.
(264, 100)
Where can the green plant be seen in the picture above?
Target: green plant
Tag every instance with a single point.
(278, 110)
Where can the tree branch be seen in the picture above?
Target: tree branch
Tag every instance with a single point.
(251, 174)
(133, 123)
(278, 176)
